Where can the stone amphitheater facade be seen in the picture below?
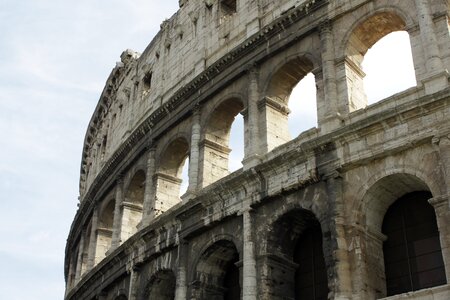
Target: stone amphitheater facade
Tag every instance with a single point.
(357, 208)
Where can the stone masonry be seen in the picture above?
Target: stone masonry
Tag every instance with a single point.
(243, 235)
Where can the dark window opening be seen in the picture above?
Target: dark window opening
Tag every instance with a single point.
(146, 84)
(311, 275)
(412, 251)
(228, 7)
(148, 81)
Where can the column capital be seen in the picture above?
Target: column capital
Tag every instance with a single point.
(326, 26)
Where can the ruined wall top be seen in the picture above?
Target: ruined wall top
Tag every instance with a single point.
(193, 39)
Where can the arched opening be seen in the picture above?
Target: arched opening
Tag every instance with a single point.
(293, 86)
(303, 106)
(363, 37)
(376, 202)
(132, 206)
(389, 67)
(311, 274)
(412, 250)
(169, 175)
(297, 239)
(236, 144)
(104, 230)
(217, 275)
(161, 286)
(215, 148)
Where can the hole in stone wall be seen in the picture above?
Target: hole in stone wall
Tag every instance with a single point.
(236, 144)
(228, 7)
(185, 177)
(389, 67)
(303, 106)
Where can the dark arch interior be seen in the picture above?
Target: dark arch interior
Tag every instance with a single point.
(173, 157)
(107, 215)
(217, 273)
(297, 235)
(162, 286)
(310, 275)
(412, 251)
(135, 192)
(231, 280)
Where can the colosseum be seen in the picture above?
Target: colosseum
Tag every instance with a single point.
(357, 207)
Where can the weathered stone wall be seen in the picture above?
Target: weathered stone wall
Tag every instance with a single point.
(135, 237)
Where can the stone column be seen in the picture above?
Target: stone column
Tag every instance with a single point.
(441, 203)
(93, 240)
(249, 284)
(252, 129)
(117, 221)
(336, 253)
(148, 213)
(194, 152)
(80, 257)
(328, 108)
(436, 78)
(441, 208)
(181, 285)
(134, 275)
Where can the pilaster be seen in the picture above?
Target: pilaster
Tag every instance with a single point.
(117, 221)
(251, 134)
(93, 240)
(148, 213)
(437, 77)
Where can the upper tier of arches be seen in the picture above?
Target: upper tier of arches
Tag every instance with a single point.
(134, 156)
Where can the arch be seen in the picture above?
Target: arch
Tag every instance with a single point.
(383, 190)
(169, 173)
(215, 145)
(412, 251)
(277, 92)
(367, 31)
(286, 77)
(217, 275)
(104, 230)
(161, 285)
(296, 240)
(132, 205)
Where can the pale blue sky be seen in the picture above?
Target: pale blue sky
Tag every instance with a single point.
(55, 57)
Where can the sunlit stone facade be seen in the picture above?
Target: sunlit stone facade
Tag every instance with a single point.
(356, 208)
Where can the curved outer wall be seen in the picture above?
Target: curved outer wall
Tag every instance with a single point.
(134, 237)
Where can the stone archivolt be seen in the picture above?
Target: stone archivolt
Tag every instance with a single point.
(317, 202)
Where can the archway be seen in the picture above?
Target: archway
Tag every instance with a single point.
(366, 34)
(215, 149)
(296, 239)
(132, 206)
(279, 98)
(161, 286)
(104, 230)
(376, 203)
(169, 175)
(412, 250)
(217, 275)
